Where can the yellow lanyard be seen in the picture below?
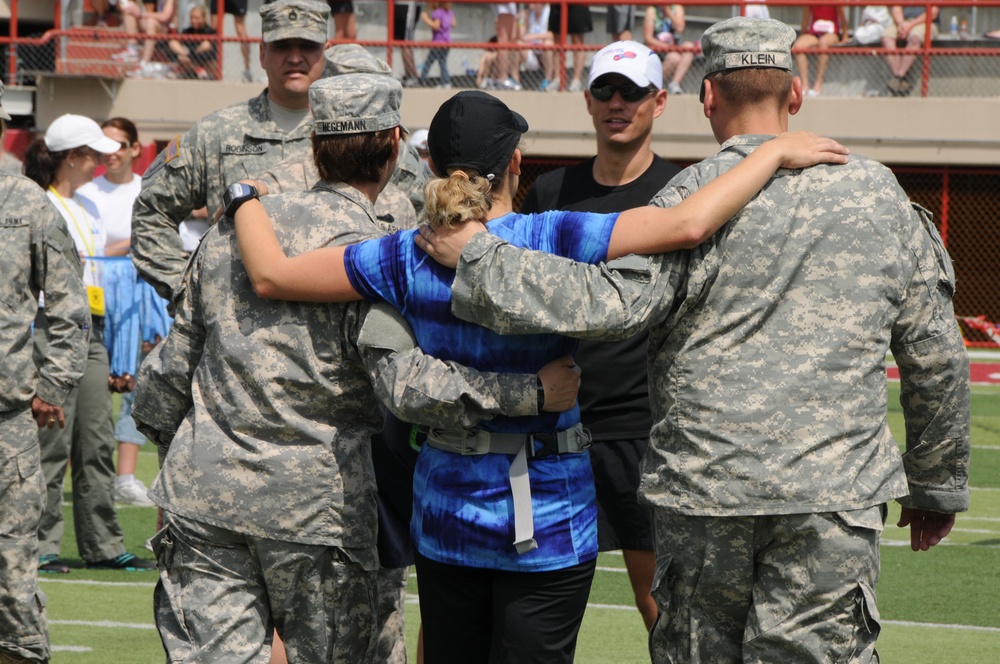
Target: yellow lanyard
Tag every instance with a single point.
(87, 238)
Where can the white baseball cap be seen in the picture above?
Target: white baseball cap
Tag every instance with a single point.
(630, 59)
(419, 139)
(74, 131)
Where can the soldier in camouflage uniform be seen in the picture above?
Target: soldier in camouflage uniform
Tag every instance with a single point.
(770, 461)
(36, 254)
(394, 211)
(392, 207)
(237, 142)
(263, 411)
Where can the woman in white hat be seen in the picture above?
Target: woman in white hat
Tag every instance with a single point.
(60, 162)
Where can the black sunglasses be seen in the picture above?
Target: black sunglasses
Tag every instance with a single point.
(629, 91)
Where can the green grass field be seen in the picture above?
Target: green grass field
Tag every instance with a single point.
(939, 606)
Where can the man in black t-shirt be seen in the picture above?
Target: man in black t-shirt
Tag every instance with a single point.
(624, 95)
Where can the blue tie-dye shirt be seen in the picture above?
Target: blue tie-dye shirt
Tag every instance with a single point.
(463, 509)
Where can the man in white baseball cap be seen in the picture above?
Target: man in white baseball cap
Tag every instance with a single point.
(624, 95)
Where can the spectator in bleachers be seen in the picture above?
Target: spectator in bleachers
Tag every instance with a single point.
(150, 19)
(664, 26)
(196, 59)
(823, 26)
(507, 61)
(238, 10)
(906, 32)
(440, 20)
(620, 19)
(488, 71)
(345, 26)
(579, 22)
(536, 31)
(404, 23)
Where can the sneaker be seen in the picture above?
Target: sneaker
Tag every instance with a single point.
(50, 564)
(812, 93)
(674, 88)
(247, 76)
(201, 73)
(130, 54)
(576, 85)
(493, 84)
(511, 84)
(133, 493)
(411, 83)
(544, 85)
(128, 562)
(445, 86)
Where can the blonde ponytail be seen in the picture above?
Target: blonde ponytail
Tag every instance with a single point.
(460, 197)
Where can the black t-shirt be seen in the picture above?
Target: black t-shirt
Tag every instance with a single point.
(614, 396)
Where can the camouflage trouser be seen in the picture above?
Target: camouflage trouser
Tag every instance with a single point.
(796, 587)
(221, 593)
(391, 647)
(23, 629)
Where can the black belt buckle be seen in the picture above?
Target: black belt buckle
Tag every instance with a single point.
(550, 445)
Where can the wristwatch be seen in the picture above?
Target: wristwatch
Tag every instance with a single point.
(540, 394)
(236, 195)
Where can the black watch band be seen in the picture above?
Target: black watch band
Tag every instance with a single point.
(540, 394)
(236, 195)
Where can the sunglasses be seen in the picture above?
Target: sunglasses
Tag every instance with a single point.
(629, 91)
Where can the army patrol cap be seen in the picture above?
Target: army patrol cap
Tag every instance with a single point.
(353, 59)
(355, 104)
(3, 114)
(294, 19)
(743, 43)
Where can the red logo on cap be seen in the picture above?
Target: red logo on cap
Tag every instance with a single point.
(627, 54)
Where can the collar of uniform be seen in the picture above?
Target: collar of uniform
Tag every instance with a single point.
(351, 194)
(264, 126)
(744, 143)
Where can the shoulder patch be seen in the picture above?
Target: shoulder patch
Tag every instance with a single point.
(173, 149)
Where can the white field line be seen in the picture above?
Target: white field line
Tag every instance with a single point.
(43, 578)
(110, 624)
(971, 628)
(71, 649)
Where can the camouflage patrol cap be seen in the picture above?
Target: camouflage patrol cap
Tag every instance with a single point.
(355, 103)
(742, 43)
(294, 19)
(3, 114)
(353, 59)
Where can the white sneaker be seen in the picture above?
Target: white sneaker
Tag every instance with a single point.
(129, 54)
(247, 76)
(511, 84)
(133, 493)
(576, 86)
(674, 89)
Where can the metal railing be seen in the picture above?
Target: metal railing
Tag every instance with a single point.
(946, 65)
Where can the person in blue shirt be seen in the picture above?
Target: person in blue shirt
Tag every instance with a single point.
(504, 517)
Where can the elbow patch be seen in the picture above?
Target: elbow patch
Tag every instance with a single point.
(385, 328)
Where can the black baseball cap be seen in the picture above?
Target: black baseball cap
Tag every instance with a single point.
(474, 130)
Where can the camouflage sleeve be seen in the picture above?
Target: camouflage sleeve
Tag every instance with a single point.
(57, 273)
(934, 376)
(172, 187)
(421, 389)
(163, 392)
(410, 175)
(517, 291)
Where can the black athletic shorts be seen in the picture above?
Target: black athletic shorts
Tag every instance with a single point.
(394, 454)
(405, 20)
(341, 7)
(235, 7)
(579, 19)
(622, 521)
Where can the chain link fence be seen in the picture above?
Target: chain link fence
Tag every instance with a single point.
(962, 63)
